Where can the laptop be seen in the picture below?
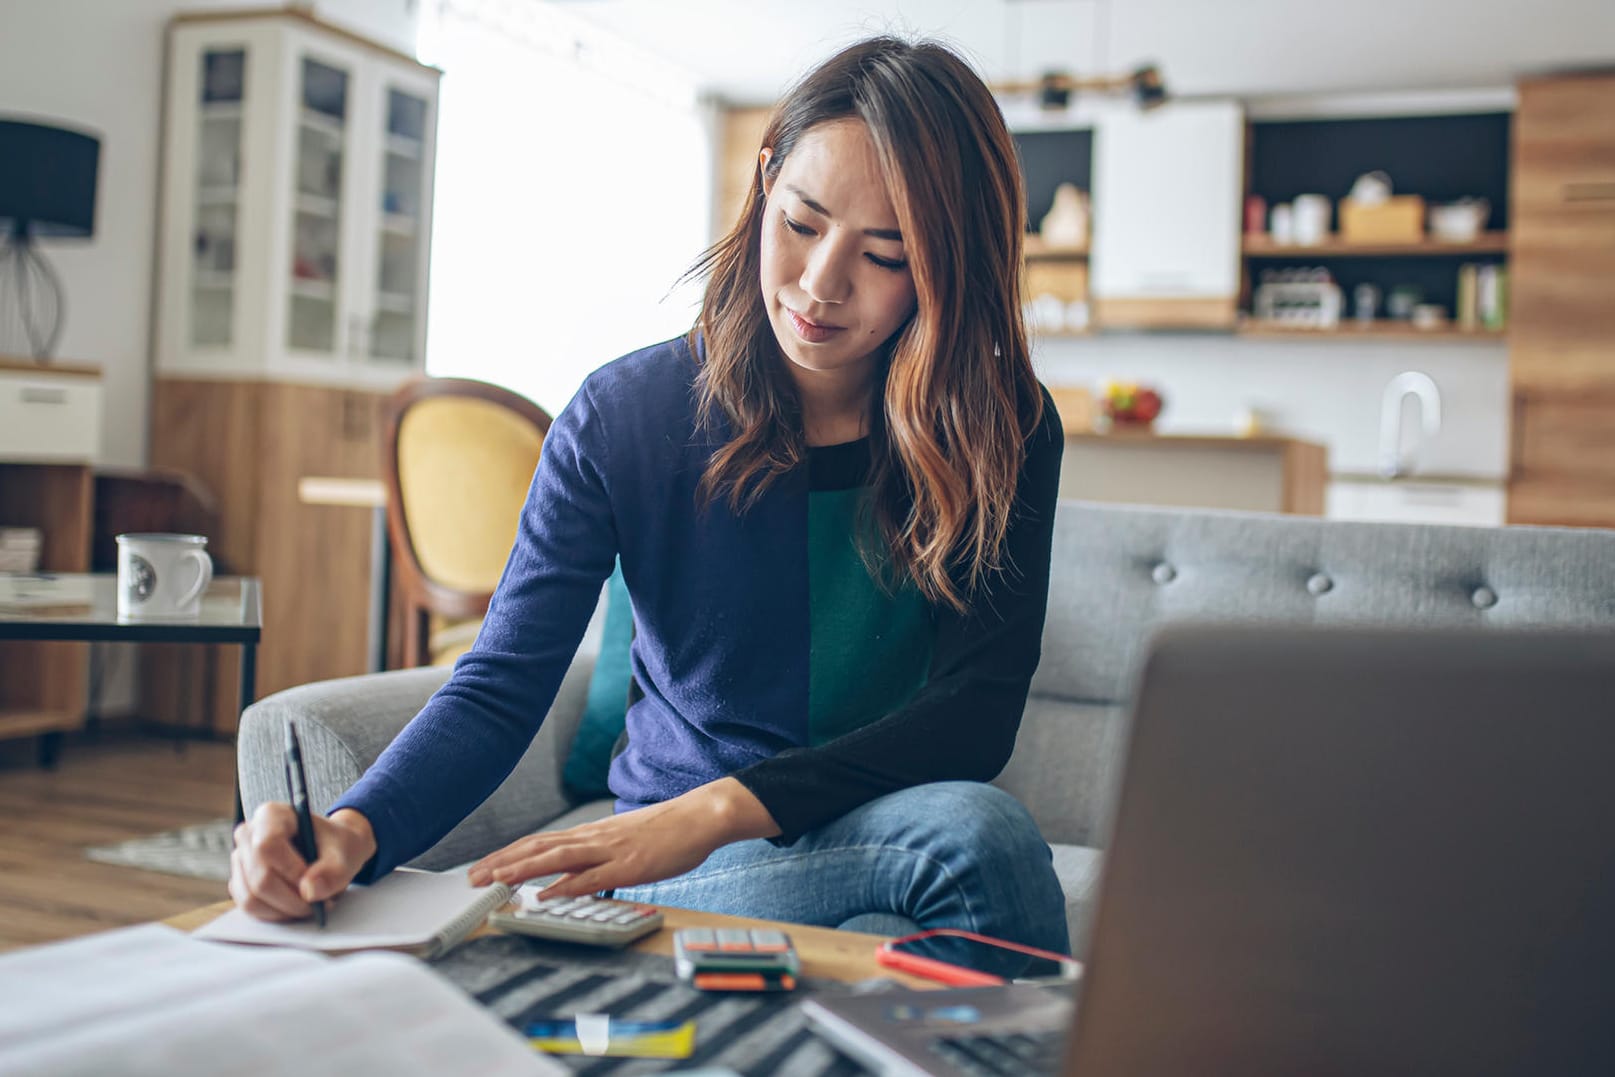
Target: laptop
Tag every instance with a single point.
(1335, 852)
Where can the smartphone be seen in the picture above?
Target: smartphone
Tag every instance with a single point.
(965, 959)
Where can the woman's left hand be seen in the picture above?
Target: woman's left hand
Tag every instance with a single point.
(641, 846)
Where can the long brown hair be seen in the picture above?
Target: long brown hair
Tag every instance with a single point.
(956, 398)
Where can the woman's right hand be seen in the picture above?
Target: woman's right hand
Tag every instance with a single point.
(269, 878)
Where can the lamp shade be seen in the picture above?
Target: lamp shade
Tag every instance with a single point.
(47, 179)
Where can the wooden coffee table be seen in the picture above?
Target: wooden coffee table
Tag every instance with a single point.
(847, 956)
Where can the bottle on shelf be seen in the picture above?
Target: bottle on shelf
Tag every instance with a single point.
(1468, 314)
(1492, 286)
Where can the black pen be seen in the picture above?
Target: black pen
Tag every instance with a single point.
(297, 782)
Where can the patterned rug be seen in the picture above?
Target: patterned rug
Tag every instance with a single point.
(201, 851)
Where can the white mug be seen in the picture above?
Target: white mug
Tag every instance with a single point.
(162, 577)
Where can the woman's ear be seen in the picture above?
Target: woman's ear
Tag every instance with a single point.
(765, 155)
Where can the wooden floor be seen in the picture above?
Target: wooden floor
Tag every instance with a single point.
(107, 788)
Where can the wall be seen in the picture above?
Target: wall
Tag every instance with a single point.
(98, 64)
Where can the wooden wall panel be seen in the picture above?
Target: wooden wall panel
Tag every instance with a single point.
(315, 559)
(1569, 436)
(740, 137)
(1562, 307)
(1563, 460)
(250, 443)
(1166, 313)
(212, 430)
(1562, 311)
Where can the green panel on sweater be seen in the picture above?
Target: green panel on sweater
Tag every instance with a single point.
(870, 651)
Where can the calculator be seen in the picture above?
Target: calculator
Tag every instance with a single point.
(719, 959)
(590, 920)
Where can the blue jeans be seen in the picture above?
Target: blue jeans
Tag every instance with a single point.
(948, 854)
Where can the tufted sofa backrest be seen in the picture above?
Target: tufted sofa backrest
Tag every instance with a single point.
(1119, 572)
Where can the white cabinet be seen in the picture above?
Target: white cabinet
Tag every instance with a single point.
(1166, 197)
(49, 415)
(1417, 501)
(296, 203)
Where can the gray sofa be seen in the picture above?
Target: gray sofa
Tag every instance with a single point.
(1118, 573)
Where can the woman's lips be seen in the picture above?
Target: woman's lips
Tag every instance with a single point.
(810, 331)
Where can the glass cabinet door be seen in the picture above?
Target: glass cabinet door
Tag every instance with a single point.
(400, 222)
(220, 113)
(324, 101)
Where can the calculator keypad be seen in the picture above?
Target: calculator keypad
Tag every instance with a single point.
(587, 919)
(598, 910)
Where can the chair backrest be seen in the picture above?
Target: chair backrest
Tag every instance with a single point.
(458, 460)
(1121, 572)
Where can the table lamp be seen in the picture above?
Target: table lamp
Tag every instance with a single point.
(47, 188)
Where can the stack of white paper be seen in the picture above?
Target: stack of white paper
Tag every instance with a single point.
(151, 1000)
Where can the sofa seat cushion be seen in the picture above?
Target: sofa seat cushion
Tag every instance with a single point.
(605, 712)
(1077, 867)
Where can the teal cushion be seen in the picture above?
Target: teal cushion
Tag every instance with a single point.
(584, 775)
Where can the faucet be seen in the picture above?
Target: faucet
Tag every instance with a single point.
(1423, 388)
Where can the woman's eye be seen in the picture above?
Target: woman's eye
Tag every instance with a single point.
(887, 263)
(797, 227)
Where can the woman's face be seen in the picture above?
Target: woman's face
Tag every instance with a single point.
(835, 277)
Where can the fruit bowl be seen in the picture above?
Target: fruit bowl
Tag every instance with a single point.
(1127, 403)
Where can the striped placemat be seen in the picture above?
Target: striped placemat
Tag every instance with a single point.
(522, 979)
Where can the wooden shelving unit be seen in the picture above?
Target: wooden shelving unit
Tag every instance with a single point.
(1262, 246)
(1037, 250)
(1380, 330)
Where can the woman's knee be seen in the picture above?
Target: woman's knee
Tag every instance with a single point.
(978, 818)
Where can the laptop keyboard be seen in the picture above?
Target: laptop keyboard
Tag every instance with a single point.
(1009, 1055)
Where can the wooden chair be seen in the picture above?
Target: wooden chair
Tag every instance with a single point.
(458, 459)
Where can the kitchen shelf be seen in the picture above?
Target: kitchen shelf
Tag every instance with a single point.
(398, 224)
(402, 146)
(213, 280)
(322, 123)
(1261, 246)
(1381, 330)
(321, 291)
(316, 205)
(1037, 249)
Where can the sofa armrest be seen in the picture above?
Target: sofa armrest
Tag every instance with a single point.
(344, 725)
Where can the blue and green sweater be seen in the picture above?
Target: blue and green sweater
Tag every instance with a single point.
(762, 650)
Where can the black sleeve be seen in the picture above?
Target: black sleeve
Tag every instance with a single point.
(961, 725)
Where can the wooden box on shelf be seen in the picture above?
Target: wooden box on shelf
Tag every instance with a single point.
(1399, 219)
(1076, 407)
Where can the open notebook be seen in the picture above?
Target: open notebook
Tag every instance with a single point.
(150, 1001)
(423, 913)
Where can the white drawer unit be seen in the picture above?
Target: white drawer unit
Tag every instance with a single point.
(1418, 501)
(49, 418)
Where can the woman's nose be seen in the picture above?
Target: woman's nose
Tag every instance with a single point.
(825, 277)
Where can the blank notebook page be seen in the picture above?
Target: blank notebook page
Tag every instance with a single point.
(404, 910)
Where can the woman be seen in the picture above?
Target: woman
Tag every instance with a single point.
(834, 504)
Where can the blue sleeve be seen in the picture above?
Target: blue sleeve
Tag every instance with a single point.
(471, 733)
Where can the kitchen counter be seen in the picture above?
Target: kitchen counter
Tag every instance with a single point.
(1262, 473)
